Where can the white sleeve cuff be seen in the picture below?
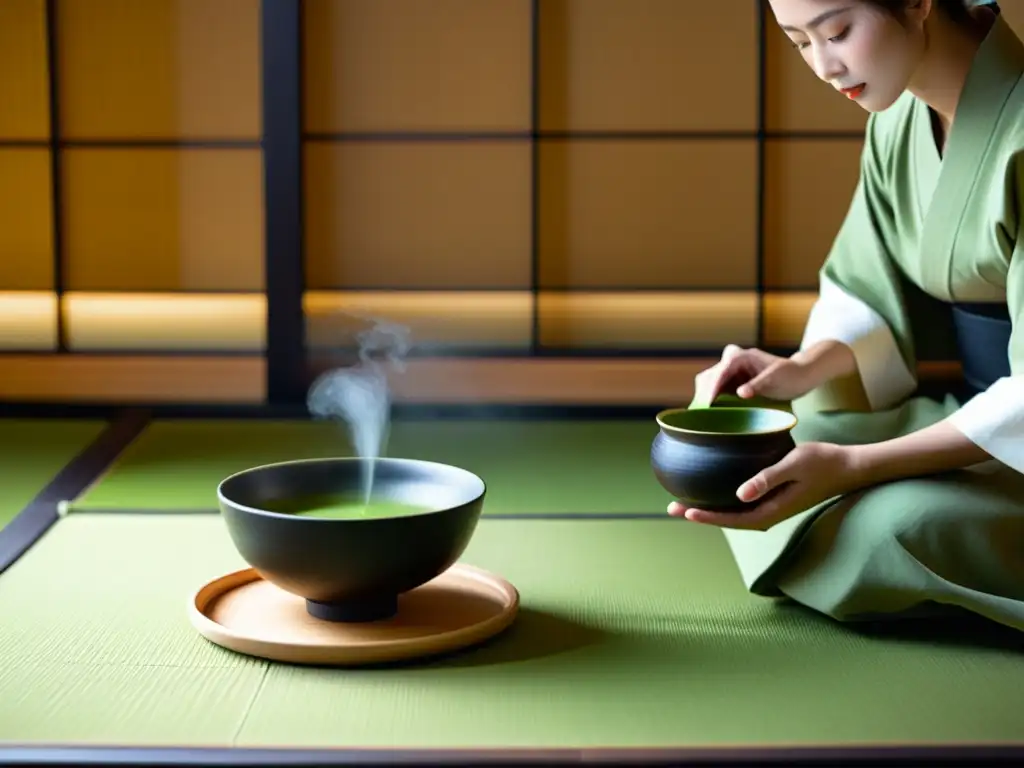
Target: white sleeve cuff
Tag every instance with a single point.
(840, 316)
(994, 421)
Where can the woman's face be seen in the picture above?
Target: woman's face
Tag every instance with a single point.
(861, 50)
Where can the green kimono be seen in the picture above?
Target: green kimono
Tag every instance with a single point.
(926, 232)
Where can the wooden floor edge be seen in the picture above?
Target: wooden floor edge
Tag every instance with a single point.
(862, 754)
(155, 379)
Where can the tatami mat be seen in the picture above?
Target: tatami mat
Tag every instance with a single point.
(589, 467)
(633, 633)
(32, 452)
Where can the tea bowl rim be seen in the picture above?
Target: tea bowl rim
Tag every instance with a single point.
(792, 420)
(223, 499)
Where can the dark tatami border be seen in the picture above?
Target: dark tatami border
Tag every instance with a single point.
(289, 758)
(18, 536)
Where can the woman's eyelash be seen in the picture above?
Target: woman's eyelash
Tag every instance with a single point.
(834, 39)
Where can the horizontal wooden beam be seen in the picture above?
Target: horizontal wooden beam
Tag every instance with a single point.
(158, 379)
(126, 379)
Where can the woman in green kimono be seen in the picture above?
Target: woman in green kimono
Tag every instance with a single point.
(894, 504)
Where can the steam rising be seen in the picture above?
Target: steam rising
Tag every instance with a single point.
(360, 395)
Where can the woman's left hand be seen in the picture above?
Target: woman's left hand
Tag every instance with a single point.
(808, 475)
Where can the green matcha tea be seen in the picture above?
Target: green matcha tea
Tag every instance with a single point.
(344, 508)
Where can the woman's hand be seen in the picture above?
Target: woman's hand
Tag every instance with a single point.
(808, 475)
(754, 372)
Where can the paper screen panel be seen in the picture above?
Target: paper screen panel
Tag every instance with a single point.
(145, 323)
(409, 65)
(177, 69)
(26, 220)
(433, 215)
(654, 214)
(28, 302)
(785, 317)
(643, 65)
(163, 220)
(808, 189)
(437, 322)
(24, 91)
(648, 320)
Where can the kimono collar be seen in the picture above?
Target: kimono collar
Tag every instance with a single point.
(986, 110)
(995, 72)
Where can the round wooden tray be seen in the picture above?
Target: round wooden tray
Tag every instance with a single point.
(245, 613)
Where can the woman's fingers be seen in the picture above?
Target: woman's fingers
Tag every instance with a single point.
(731, 351)
(708, 383)
(771, 478)
(763, 382)
(754, 370)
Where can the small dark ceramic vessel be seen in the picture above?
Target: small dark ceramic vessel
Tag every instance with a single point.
(351, 569)
(702, 456)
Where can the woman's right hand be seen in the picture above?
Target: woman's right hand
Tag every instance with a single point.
(754, 372)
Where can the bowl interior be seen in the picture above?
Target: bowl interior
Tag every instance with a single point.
(732, 420)
(334, 488)
(345, 506)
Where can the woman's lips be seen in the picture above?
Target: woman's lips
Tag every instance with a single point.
(854, 92)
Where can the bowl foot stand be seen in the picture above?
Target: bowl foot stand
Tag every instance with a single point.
(355, 611)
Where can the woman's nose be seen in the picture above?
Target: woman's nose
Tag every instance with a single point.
(825, 65)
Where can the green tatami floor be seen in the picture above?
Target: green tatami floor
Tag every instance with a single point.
(586, 467)
(633, 633)
(32, 452)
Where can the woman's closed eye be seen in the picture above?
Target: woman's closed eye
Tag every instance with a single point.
(838, 38)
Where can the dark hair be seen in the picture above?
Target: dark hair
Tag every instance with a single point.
(956, 10)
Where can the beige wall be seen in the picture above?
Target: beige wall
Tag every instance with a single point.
(655, 237)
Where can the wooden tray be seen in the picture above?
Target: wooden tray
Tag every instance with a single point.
(245, 613)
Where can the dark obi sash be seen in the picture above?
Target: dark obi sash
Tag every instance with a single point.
(983, 340)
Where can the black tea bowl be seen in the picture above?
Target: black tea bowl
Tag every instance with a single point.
(304, 527)
(701, 456)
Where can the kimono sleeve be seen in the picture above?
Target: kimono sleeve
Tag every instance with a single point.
(861, 294)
